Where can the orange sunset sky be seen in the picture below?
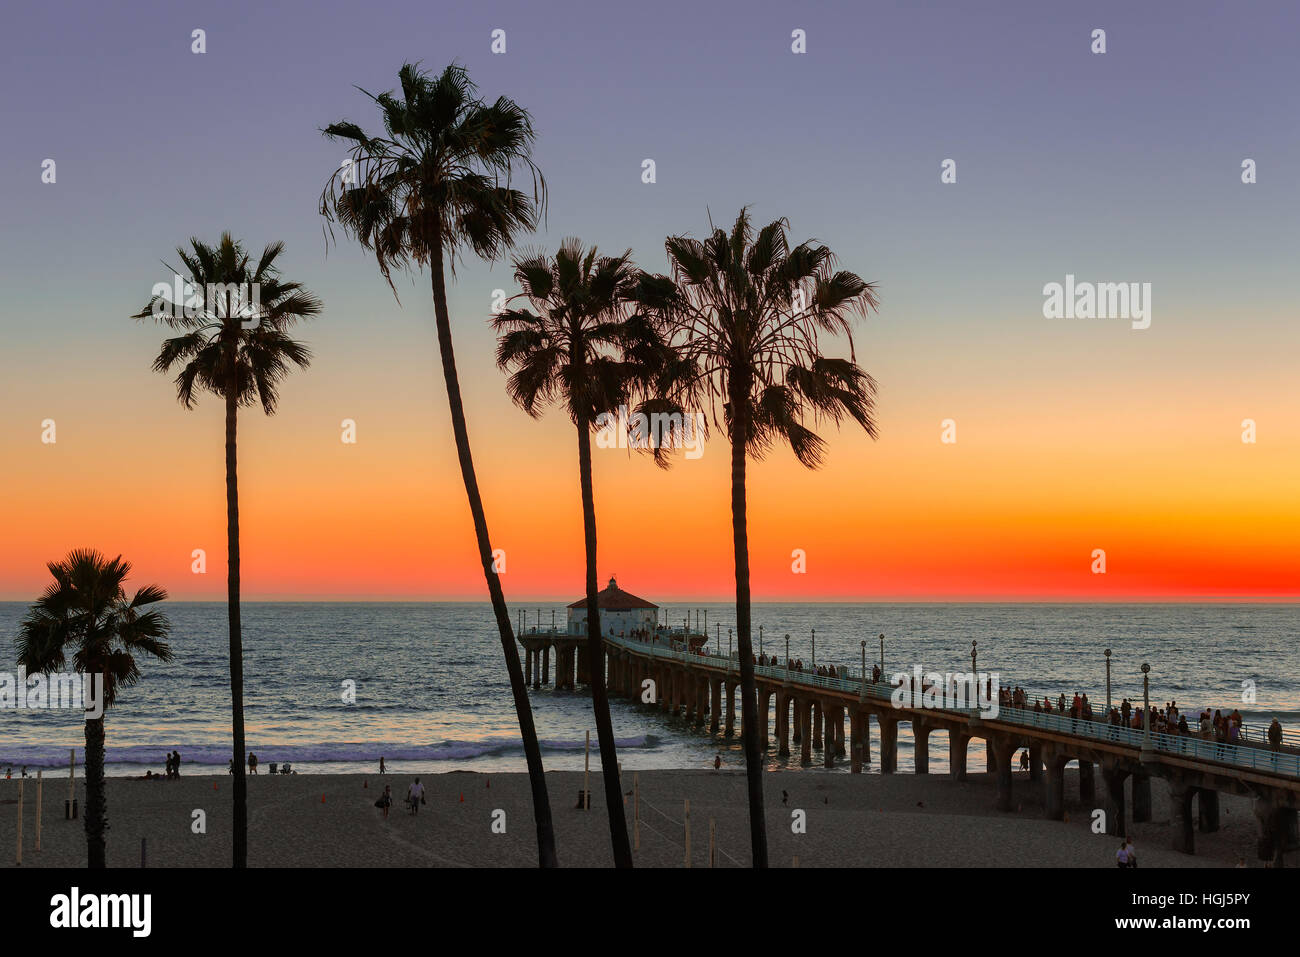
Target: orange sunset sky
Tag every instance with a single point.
(1072, 434)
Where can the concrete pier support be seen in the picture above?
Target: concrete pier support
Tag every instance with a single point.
(888, 744)
(990, 757)
(805, 710)
(957, 743)
(729, 691)
(921, 747)
(1278, 830)
(1053, 784)
(1087, 784)
(1207, 810)
(580, 661)
(546, 665)
(528, 666)
(1005, 753)
(715, 704)
(817, 724)
(1141, 798)
(782, 723)
(857, 723)
(764, 715)
(839, 731)
(1113, 800)
(1035, 762)
(1180, 813)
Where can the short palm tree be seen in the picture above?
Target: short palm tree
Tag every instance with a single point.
(239, 350)
(583, 348)
(747, 312)
(437, 185)
(87, 614)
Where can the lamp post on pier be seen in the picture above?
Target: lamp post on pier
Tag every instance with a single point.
(973, 669)
(728, 649)
(1108, 684)
(1146, 708)
(863, 696)
(760, 641)
(882, 654)
(814, 649)
(787, 656)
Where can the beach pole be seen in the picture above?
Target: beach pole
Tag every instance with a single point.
(39, 789)
(688, 832)
(636, 810)
(586, 776)
(711, 845)
(20, 822)
(69, 809)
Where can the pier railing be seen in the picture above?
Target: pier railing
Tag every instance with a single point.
(1187, 746)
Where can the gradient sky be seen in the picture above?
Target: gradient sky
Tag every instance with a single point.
(1072, 435)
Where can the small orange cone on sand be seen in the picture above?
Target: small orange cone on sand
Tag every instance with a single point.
(364, 784)
(214, 786)
(488, 782)
(322, 799)
(462, 797)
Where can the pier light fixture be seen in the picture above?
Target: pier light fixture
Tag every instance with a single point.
(728, 649)
(787, 656)
(1107, 683)
(864, 669)
(974, 670)
(760, 641)
(1146, 706)
(882, 654)
(814, 649)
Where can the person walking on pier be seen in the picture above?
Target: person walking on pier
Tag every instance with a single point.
(1275, 736)
(1124, 710)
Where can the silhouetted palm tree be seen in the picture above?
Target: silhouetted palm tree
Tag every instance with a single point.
(746, 311)
(86, 612)
(421, 195)
(583, 348)
(236, 347)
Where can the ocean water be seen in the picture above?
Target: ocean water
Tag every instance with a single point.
(432, 694)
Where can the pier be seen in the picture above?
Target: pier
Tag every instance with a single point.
(832, 715)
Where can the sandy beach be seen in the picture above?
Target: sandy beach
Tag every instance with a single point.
(851, 821)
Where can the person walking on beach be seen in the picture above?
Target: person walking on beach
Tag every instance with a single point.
(382, 769)
(167, 766)
(415, 795)
(385, 800)
(1131, 851)
(1121, 856)
(252, 763)
(717, 761)
(176, 765)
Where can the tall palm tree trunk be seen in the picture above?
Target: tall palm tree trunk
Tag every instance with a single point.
(240, 831)
(96, 817)
(596, 665)
(748, 688)
(532, 751)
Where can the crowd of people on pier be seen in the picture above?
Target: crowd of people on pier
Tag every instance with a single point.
(1216, 726)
